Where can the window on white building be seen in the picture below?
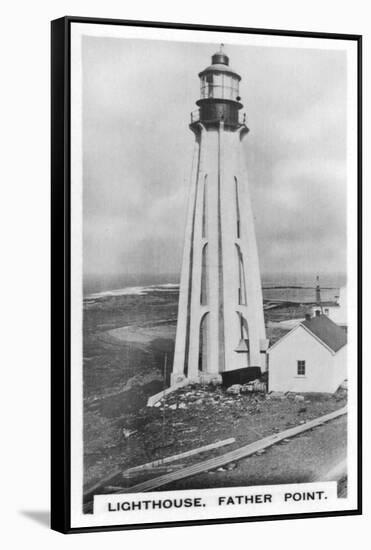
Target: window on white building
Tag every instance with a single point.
(301, 368)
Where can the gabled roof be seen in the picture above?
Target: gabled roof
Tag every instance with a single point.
(327, 331)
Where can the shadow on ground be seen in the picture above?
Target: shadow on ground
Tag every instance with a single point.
(42, 517)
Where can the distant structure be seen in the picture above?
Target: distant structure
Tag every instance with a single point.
(318, 292)
(312, 357)
(220, 316)
(337, 312)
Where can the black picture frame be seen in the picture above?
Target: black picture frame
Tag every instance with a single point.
(61, 269)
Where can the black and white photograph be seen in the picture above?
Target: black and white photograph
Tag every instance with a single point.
(214, 367)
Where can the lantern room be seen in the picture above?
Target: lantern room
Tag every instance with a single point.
(220, 99)
(218, 80)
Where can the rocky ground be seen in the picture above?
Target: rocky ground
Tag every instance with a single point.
(196, 415)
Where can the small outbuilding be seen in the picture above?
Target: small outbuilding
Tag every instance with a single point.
(336, 311)
(312, 357)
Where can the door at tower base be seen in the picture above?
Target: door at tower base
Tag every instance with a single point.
(220, 325)
(240, 376)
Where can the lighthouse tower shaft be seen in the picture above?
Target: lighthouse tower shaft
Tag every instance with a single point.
(220, 317)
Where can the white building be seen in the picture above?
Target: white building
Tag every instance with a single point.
(312, 357)
(220, 317)
(336, 312)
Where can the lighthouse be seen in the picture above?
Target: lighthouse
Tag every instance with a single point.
(220, 323)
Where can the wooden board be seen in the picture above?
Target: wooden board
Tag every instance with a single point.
(179, 456)
(162, 394)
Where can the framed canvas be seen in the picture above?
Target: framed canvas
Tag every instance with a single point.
(206, 279)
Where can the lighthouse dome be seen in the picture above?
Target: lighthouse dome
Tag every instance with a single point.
(220, 57)
(220, 64)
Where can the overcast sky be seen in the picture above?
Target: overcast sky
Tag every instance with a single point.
(137, 97)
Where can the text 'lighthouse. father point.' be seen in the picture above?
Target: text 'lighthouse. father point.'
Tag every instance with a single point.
(220, 316)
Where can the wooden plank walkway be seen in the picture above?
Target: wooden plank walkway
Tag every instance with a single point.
(232, 456)
(89, 491)
(173, 458)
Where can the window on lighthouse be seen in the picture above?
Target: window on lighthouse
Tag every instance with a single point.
(219, 86)
(238, 219)
(204, 282)
(244, 329)
(209, 85)
(218, 91)
(203, 343)
(230, 87)
(204, 209)
(203, 87)
(241, 278)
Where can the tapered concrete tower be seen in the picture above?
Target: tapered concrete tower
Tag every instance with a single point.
(220, 317)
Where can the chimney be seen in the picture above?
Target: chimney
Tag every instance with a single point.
(307, 316)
